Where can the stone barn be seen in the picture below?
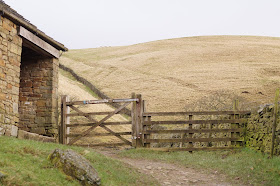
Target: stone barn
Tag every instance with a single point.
(28, 75)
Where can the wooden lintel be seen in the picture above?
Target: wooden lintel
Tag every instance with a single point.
(38, 42)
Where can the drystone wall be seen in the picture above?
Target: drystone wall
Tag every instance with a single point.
(10, 57)
(259, 131)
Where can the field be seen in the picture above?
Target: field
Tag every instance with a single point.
(185, 73)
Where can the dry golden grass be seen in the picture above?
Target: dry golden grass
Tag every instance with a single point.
(171, 74)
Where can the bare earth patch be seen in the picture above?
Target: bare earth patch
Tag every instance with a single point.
(171, 174)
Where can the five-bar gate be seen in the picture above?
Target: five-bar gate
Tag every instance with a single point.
(189, 131)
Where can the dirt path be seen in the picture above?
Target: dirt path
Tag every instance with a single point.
(170, 174)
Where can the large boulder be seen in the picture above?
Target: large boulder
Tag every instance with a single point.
(75, 165)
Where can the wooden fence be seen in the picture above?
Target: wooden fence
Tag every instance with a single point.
(228, 126)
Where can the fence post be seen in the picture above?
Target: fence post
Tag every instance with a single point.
(139, 123)
(190, 134)
(275, 116)
(67, 121)
(133, 120)
(237, 116)
(145, 127)
(64, 120)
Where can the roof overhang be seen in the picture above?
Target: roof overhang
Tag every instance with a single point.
(31, 28)
(38, 43)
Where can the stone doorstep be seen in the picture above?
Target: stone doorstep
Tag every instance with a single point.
(36, 137)
(11, 130)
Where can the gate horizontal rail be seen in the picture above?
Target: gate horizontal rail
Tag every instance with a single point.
(100, 134)
(91, 124)
(192, 131)
(195, 113)
(101, 101)
(194, 122)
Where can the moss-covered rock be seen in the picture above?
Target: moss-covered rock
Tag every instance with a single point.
(259, 130)
(75, 165)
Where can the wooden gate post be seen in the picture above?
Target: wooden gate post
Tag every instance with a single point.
(133, 120)
(139, 123)
(63, 139)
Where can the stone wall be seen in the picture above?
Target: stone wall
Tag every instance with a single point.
(10, 57)
(38, 96)
(28, 84)
(259, 131)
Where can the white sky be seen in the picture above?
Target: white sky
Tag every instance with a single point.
(95, 23)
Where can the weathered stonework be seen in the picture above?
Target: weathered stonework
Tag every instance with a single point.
(28, 75)
(38, 96)
(10, 57)
(259, 131)
(28, 85)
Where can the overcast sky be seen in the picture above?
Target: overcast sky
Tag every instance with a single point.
(95, 23)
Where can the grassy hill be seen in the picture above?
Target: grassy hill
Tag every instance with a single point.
(194, 72)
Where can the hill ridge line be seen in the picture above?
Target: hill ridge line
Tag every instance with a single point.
(93, 88)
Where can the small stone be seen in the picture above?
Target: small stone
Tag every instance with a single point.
(166, 183)
(149, 167)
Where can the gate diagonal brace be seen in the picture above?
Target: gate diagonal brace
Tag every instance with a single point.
(103, 126)
(98, 123)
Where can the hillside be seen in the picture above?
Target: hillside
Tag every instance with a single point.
(193, 71)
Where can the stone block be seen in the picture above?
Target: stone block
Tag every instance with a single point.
(40, 120)
(33, 136)
(47, 139)
(7, 132)
(7, 26)
(41, 103)
(2, 63)
(39, 130)
(2, 75)
(2, 96)
(22, 134)
(15, 108)
(14, 131)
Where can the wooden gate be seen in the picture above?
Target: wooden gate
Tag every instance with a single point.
(204, 130)
(70, 109)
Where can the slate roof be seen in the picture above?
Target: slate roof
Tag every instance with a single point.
(7, 11)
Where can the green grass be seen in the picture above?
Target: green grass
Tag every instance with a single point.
(25, 163)
(244, 166)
